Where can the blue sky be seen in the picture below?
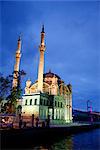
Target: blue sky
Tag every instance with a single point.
(72, 43)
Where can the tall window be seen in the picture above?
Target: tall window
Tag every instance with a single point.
(35, 102)
(44, 102)
(61, 104)
(26, 102)
(55, 103)
(40, 101)
(48, 102)
(58, 104)
(30, 101)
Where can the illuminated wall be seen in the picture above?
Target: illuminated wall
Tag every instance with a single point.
(30, 104)
(37, 104)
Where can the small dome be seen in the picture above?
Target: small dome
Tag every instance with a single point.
(28, 83)
(69, 86)
(50, 74)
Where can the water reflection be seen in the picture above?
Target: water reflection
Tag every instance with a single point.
(60, 144)
(82, 141)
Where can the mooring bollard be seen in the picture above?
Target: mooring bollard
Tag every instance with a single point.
(48, 121)
(37, 122)
(19, 116)
(20, 123)
(43, 124)
(24, 123)
(32, 120)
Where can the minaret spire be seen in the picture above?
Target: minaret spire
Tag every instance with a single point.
(41, 62)
(19, 43)
(43, 28)
(17, 64)
(42, 36)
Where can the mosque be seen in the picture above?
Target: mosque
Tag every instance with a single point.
(49, 95)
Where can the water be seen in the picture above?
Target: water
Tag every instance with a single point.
(82, 141)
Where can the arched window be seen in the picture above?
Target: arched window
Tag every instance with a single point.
(30, 101)
(35, 102)
(26, 102)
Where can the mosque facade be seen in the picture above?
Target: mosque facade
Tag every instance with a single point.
(49, 95)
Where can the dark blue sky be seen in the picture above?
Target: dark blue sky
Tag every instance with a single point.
(72, 43)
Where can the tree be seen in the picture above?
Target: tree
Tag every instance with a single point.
(9, 93)
(16, 92)
(5, 87)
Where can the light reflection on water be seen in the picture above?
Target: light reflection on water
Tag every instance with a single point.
(66, 143)
(60, 145)
(82, 141)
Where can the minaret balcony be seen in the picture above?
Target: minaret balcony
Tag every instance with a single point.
(42, 47)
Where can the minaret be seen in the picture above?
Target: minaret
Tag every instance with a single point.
(41, 62)
(17, 64)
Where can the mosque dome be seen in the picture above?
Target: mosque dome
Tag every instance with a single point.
(50, 75)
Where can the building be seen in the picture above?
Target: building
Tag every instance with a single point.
(49, 95)
(55, 100)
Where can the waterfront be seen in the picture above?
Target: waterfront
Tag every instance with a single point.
(89, 140)
(48, 139)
